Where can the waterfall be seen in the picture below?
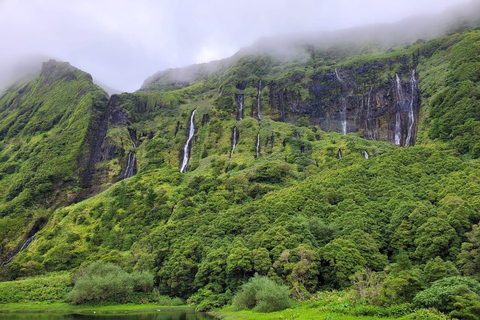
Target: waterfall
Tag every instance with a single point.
(25, 244)
(368, 122)
(234, 140)
(343, 119)
(365, 154)
(339, 154)
(239, 99)
(186, 149)
(257, 146)
(411, 117)
(343, 113)
(130, 171)
(398, 129)
(338, 76)
(259, 115)
(400, 107)
(401, 98)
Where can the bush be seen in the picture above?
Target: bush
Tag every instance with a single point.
(263, 295)
(456, 295)
(108, 282)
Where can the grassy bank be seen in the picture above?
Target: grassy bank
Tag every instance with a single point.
(59, 307)
(302, 311)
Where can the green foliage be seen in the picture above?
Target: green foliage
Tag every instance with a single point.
(458, 296)
(263, 295)
(103, 282)
(48, 288)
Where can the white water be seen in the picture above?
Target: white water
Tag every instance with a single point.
(401, 98)
(339, 154)
(343, 113)
(24, 246)
(240, 100)
(234, 140)
(398, 129)
(365, 154)
(338, 76)
(257, 146)
(398, 119)
(369, 127)
(186, 154)
(411, 117)
(130, 164)
(258, 99)
(343, 120)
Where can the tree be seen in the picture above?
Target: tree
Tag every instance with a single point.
(435, 238)
(340, 259)
(469, 257)
(454, 295)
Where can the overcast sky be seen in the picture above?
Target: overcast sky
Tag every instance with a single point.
(122, 42)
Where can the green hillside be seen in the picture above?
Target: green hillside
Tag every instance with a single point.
(297, 200)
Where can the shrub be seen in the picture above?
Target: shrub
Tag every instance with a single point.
(263, 295)
(107, 282)
(457, 295)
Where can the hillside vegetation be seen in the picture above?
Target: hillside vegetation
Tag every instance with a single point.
(310, 209)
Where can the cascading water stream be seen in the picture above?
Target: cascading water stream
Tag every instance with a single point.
(338, 76)
(339, 154)
(186, 149)
(368, 125)
(259, 115)
(25, 244)
(257, 146)
(343, 113)
(343, 119)
(411, 117)
(130, 171)
(398, 119)
(239, 99)
(234, 140)
(398, 129)
(365, 154)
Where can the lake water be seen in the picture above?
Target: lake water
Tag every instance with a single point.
(160, 315)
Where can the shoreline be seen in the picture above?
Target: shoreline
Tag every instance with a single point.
(62, 307)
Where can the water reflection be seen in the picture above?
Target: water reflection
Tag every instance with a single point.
(161, 315)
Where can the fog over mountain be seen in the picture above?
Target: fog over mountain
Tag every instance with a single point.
(121, 43)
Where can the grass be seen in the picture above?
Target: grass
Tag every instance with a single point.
(59, 307)
(297, 312)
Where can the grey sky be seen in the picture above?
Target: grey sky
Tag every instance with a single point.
(122, 42)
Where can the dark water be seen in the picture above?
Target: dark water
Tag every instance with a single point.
(160, 315)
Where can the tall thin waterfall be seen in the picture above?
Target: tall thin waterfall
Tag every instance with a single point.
(339, 154)
(398, 129)
(257, 146)
(343, 119)
(186, 149)
(130, 171)
(365, 154)
(343, 113)
(368, 122)
(338, 76)
(234, 140)
(239, 99)
(24, 245)
(411, 117)
(400, 107)
(259, 115)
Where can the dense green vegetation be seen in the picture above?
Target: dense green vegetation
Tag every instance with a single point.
(397, 230)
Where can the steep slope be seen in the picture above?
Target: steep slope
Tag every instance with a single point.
(289, 168)
(46, 127)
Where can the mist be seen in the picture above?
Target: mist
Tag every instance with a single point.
(121, 43)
